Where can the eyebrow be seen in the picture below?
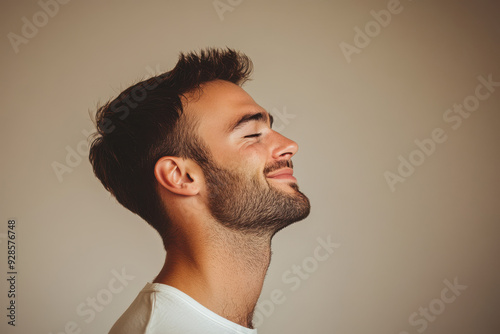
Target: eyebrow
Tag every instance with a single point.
(257, 116)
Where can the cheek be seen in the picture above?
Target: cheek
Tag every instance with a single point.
(247, 163)
(255, 164)
(248, 159)
(254, 150)
(254, 154)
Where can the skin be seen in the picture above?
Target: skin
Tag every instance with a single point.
(221, 268)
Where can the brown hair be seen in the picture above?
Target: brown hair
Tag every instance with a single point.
(145, 123)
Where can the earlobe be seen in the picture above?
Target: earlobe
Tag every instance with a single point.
(172, 174)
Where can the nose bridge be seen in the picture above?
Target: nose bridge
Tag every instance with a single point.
(283, 147)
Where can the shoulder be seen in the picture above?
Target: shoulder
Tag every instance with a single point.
(159, 308)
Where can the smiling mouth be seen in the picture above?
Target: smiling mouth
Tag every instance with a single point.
(282, 174)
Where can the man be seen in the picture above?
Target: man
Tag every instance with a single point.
(195, 156)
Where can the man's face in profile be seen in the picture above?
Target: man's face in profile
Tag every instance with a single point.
(250, 186)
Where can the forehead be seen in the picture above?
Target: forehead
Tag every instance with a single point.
(217, 104)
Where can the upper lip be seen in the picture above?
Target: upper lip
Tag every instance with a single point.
(283, 171)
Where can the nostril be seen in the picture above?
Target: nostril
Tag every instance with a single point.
(283, 147)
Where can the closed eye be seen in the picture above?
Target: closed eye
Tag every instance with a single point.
(253, 135)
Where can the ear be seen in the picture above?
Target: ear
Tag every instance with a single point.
(173, 174)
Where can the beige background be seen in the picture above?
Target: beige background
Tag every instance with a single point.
(351, 120)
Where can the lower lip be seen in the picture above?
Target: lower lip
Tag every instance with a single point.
(284, 177)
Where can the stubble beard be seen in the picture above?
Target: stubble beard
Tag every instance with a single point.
(250, 206)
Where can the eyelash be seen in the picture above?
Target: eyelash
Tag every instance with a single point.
(255, 135)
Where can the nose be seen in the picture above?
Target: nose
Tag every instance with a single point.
(283, 148)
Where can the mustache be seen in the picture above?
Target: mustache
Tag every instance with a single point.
(277, 165)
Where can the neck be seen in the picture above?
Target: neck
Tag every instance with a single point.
(223, 270)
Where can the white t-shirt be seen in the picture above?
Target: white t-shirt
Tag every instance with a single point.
(163, 309)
